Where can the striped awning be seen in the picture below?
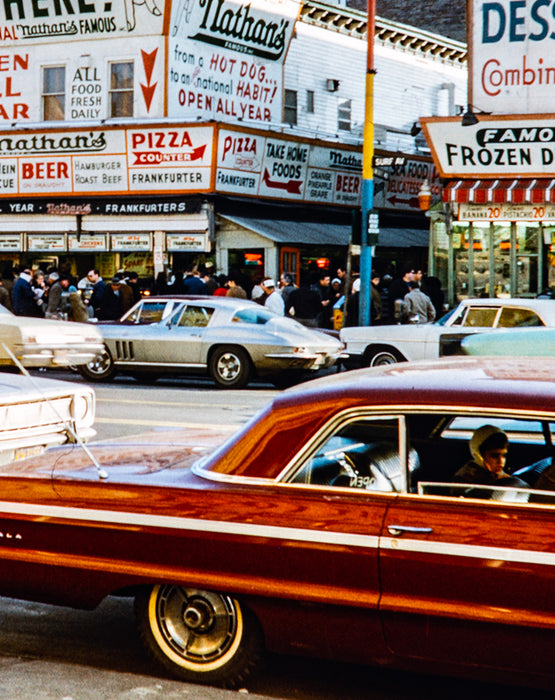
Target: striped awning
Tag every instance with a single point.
(501, 191)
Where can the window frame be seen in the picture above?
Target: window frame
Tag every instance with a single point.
(54, 96)
(290, 110)
(116, 92)
(339, 422)
(344, 104)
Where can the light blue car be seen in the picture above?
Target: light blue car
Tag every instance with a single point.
(523, 342)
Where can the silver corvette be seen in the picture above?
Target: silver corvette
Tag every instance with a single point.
(229, 339)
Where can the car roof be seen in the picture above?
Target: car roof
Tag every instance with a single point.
(455, 381)
(536, 304)
(213, 300)
(465, 383)
(530, 342)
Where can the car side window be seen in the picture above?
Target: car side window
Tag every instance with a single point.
(481, 316)
(457, 317)
(518, 317)
(359, 454)
(254, 316)
(194, 317)
(443, 446)
(149, 313)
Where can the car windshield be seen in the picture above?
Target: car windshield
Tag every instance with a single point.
(443, 320)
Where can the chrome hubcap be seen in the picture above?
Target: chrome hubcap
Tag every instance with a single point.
(100, 363)
(200, 626)
(229, 366)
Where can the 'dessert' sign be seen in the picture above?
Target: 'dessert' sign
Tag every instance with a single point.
(513, 56)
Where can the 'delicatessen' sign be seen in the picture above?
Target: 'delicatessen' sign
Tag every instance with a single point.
(511, 146)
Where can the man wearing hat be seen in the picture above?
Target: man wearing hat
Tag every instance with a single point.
(273, 300)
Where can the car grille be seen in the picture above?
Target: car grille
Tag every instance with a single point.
(124, 350)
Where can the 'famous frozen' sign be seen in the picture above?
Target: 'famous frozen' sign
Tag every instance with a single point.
(513, 56)
(494, 147)
(226, 58)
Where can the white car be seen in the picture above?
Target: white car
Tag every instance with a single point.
(382, 345)
(37, 413)
(40, 342)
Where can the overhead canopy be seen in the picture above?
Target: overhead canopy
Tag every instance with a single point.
(309, 233)
(501, 191)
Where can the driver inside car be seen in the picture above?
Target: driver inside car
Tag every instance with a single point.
(488, 447)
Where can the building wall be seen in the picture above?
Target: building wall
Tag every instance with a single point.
(408, 84)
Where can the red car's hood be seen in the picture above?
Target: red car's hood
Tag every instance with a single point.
(155, 454)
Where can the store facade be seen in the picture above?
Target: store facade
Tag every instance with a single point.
(495, 233)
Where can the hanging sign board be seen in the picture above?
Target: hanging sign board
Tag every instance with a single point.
(176, 242)
(87, 242)
(515, 146)
(48, 243)
(130, 241)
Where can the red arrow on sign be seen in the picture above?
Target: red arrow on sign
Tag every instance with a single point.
(149, 59)
(292, 186)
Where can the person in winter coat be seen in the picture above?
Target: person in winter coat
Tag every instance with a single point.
(24, 299)
(417, 306)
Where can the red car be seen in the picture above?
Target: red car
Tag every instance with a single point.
(329, 526)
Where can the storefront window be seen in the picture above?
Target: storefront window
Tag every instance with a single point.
(479, 260)
(502, 259)
(461, 238)
(527, 255)
(549, 238)
(440, 261)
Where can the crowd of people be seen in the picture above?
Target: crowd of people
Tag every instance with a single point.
(57, 294)
(326, 302)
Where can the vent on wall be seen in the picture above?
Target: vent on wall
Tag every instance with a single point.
(332, 85)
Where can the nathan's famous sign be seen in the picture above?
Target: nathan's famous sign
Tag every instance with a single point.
(35, 21)
(226, 58)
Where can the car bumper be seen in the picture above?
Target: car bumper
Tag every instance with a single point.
(15, 449)
(37, 356)
(353, 360)
(312, 361)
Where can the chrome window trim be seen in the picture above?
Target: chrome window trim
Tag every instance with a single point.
(375, 411)
(340, 420)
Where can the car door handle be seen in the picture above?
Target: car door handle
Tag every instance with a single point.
(397, 530)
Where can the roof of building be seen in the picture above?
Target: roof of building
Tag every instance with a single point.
(410, 39)
(316, 233)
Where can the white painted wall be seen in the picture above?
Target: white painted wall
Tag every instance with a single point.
(407, 85)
